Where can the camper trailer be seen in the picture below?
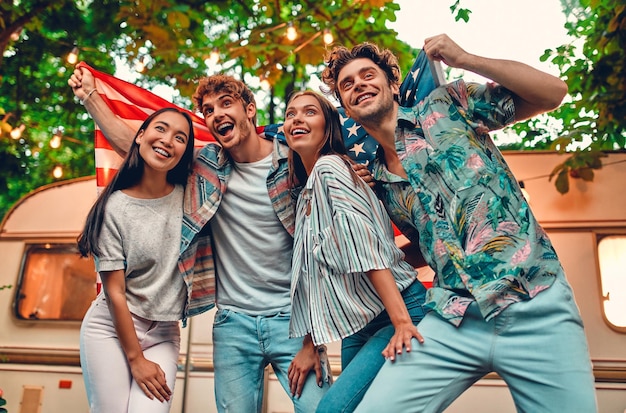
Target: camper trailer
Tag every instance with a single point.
(45, 289)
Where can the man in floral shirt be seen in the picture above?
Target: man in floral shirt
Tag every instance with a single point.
(500, 298)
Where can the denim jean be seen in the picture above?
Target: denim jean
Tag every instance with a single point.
(242, 347)
(106, 373)
(538, 347)
(361, 355)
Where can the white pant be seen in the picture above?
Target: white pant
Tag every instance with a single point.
(109, 383)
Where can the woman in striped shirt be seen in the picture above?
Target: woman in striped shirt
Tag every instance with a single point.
(350, 281)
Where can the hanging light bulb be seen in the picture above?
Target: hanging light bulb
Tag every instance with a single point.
(55, 142)
(72, 57)
(292, 34)
(328, 37)
(214, 57)
(15, 36)
(265, 84)
(17, 132)
(57, 172)
(140, 66)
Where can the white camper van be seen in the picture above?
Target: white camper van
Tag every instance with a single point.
(51, 288)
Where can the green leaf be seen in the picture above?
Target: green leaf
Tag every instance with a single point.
(586, 174)
(562, 182)
(463, 14)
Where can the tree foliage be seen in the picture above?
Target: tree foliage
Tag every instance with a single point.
(594, 67)
(175, 40)
(35, 38)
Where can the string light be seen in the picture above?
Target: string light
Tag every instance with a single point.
(140, 66)
(17, 132)
(15, 36)
(55, 142)
(292, 34)
(328, 37)
(214, 57)
(72, 57)
(57, 172)
(265, 83)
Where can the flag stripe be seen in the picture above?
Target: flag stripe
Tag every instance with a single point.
(132, 105)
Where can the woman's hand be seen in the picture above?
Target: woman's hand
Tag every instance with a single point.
(82, 83)
(307, 358)
(147, 374)
(151, 379)
(401, 339)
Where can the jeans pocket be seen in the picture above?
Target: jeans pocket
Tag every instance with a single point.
(221, 316)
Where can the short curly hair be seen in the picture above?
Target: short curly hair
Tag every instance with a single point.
(340, 56)
(214, 84)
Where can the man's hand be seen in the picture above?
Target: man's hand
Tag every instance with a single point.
(306, 359)
(442, 48)
(364, 173)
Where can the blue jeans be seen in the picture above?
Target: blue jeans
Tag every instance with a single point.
(242, 347)
(361, 357)
(538, 347)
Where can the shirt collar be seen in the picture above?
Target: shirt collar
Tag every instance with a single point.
(407, 115)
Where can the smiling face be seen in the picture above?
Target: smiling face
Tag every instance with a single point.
(228, 119)
(163, 142)
(305, 127)
(365, 91)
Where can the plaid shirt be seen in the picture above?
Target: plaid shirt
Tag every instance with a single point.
(203, 194)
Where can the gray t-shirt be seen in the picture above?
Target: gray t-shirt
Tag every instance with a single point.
(142, 237)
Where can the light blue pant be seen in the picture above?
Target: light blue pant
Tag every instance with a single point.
(538, 347)
(242, 347)
(361, 357)
(109, 383)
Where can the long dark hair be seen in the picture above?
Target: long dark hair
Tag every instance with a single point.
(333, 145)
(128, 175)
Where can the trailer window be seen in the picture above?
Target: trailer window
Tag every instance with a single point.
(55, 283)
(612, 260)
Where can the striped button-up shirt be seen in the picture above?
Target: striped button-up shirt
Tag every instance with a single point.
(346, 234)
(203, 194)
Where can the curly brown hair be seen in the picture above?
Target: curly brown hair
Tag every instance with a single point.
(214, 84)
(340, 56)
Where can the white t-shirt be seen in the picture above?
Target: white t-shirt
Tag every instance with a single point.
(252, 248)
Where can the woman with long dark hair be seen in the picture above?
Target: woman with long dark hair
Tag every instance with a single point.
(130, 337)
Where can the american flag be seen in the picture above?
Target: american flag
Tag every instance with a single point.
(133, 105)
(423, 77)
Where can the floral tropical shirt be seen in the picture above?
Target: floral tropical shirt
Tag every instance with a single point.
(463, 205)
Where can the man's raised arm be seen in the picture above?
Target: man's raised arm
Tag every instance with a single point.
(534, 91)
